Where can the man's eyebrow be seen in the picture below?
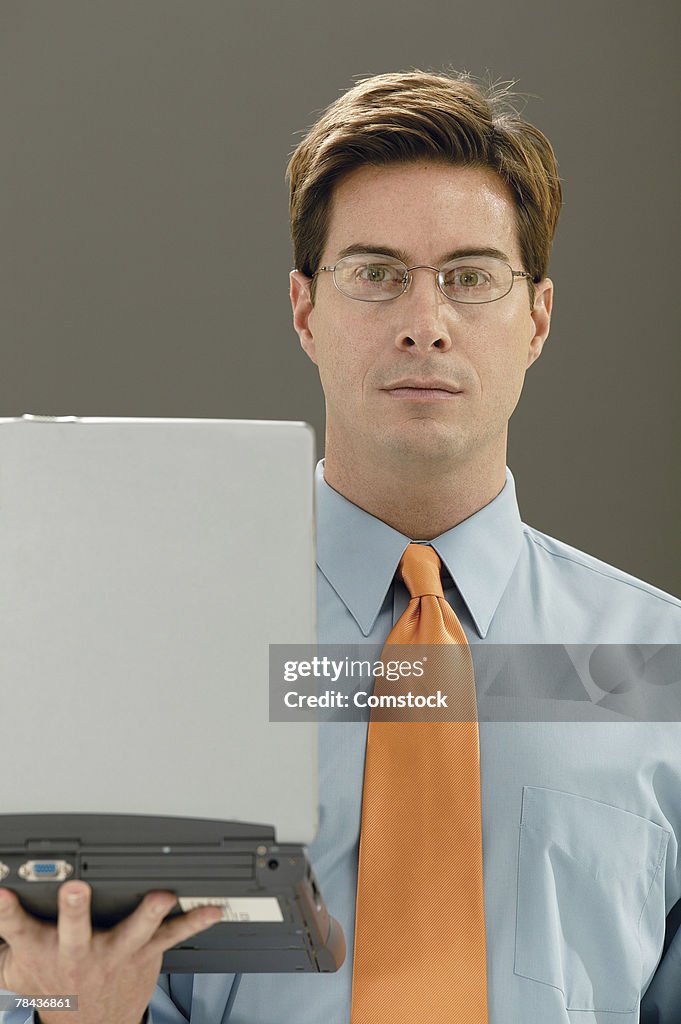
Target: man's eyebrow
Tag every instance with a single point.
(475, 250)
(400, 254)
(383, 250)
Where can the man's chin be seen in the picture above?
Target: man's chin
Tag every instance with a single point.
(427, 444)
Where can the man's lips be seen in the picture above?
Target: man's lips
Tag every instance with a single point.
(422, 390)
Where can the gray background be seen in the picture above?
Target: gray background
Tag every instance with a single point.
(144, 240)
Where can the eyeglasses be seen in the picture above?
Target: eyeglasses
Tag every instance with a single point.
(374, 277)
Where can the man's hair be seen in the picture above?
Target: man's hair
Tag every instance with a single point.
(407, 116)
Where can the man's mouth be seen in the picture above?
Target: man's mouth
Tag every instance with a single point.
(427, 390)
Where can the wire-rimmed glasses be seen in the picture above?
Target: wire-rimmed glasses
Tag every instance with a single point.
(375, 277)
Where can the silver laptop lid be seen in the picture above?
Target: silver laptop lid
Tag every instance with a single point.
(145, 566)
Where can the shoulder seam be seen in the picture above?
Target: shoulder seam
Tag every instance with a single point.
(585, 565)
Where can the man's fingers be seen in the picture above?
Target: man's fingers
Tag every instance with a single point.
(137, 929)
(74, 925)
(182, 927)
(17, 928)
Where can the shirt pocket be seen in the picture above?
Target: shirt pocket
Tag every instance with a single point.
(586, 870)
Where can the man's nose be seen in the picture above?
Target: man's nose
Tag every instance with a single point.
(425, 314)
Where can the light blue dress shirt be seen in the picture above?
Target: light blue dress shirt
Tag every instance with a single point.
(581, 820)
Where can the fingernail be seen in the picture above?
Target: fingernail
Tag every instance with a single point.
(73, 898)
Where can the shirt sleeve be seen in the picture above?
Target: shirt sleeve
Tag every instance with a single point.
(661, 1002)
(15, 1016)
(19, 1016)
(200, 998)
(162, 1009)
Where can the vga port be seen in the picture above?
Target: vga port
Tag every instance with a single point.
(45, 870)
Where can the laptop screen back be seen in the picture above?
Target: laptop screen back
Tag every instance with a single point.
(145, 567)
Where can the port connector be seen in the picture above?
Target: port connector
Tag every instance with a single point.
(45, 870)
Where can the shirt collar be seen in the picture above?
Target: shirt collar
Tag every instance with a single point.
(479, 554)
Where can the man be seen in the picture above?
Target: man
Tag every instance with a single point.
(422, 218)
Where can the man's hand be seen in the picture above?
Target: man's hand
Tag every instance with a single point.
(113, 973)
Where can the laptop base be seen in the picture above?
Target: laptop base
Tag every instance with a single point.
(275, 919)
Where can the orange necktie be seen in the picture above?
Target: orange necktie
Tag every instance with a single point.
(420, 952)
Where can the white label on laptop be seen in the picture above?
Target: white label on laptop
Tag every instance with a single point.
(237, 908)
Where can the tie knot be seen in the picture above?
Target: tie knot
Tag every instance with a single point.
(420, 569)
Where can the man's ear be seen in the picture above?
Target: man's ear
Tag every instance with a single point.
(541, 318)
(301, 304)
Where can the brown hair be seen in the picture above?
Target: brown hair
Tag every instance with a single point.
(396, 118)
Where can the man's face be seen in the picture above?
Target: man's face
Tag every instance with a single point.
(363, 350)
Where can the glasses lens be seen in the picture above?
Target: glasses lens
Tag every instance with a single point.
(476, 279)
(370, 277)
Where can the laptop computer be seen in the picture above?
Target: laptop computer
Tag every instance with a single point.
(145, 567)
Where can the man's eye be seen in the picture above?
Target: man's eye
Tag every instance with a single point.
(467, 277)
(376, 273)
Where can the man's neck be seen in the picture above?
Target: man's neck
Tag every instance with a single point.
(419, 502)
